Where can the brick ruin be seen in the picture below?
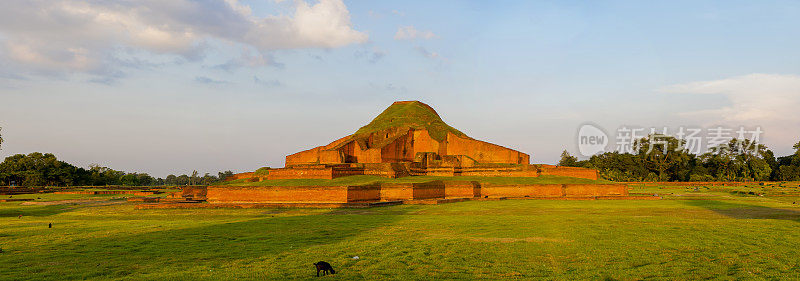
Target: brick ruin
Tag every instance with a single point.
(421, 144)
(399, 192)
(408, 139)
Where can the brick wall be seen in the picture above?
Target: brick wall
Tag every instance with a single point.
(591, 190)
(194, 192)
(240, 176)
(529, 190)
(484, 152)
(462, 189)
(301, 173)
(324, 194)
(554, 190)
(575, 172)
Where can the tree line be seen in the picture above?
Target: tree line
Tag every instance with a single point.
(38, 169)
(665, 158)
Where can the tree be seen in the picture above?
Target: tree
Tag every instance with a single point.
(662, 153)
(618, 166)
(796, 158)
(1, 138)
(144, 179)
(171, 180)
(182, 180)
(789, 173)
(37, 169)
(567, 160)
(129, 180)
(753, 159)
(99, 175)
(208, 179)
(194, 179)
(739, 160)
(224, 175)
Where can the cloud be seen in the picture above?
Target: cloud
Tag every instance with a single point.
(373, 56)
(249, 59)
(268, 83)
(374, 15)
(754, 97)
(411, 33)
(210, 81)
(428, 54)
(768, 100)
(68, 36)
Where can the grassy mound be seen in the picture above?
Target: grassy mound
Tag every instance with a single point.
(409, 114)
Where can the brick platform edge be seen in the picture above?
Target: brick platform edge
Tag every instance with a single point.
(368, 204)
(263, 205)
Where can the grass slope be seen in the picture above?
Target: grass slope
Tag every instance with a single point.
(411, 114)
(705, 234)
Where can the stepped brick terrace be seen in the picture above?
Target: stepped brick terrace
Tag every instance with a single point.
(407, 140)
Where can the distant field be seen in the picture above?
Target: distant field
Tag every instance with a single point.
(360, 180)
(694, 233)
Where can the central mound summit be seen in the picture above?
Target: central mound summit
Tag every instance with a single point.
(409, 132)
(410, 115)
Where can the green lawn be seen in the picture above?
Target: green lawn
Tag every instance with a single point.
(691, 234)
(362, 179)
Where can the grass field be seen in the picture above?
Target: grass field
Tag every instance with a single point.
(694, 233)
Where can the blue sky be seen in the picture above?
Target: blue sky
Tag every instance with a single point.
(168, 87)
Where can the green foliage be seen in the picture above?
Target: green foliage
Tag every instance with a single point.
(796, 158)
(662, 154)
(738, 160)
(413, 114)
(664, 158)
(37, 169)
(221, 176)
(263, 171)
(789, 173)
(183, 180)
(617, 166)
(567, 160)
(1, 137)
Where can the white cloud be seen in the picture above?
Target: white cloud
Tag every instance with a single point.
(411, 33)
(767, 100)
(86, 36)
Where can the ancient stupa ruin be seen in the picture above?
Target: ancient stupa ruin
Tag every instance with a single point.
(410, 139)
(407, 140)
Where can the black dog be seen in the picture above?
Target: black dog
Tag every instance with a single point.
(325, 268)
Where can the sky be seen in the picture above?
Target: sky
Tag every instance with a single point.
(167, 87)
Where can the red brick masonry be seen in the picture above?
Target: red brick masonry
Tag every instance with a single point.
(396, 192)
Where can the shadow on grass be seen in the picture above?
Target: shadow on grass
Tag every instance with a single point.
(187, 250)
(745, 211)
(33, 211)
